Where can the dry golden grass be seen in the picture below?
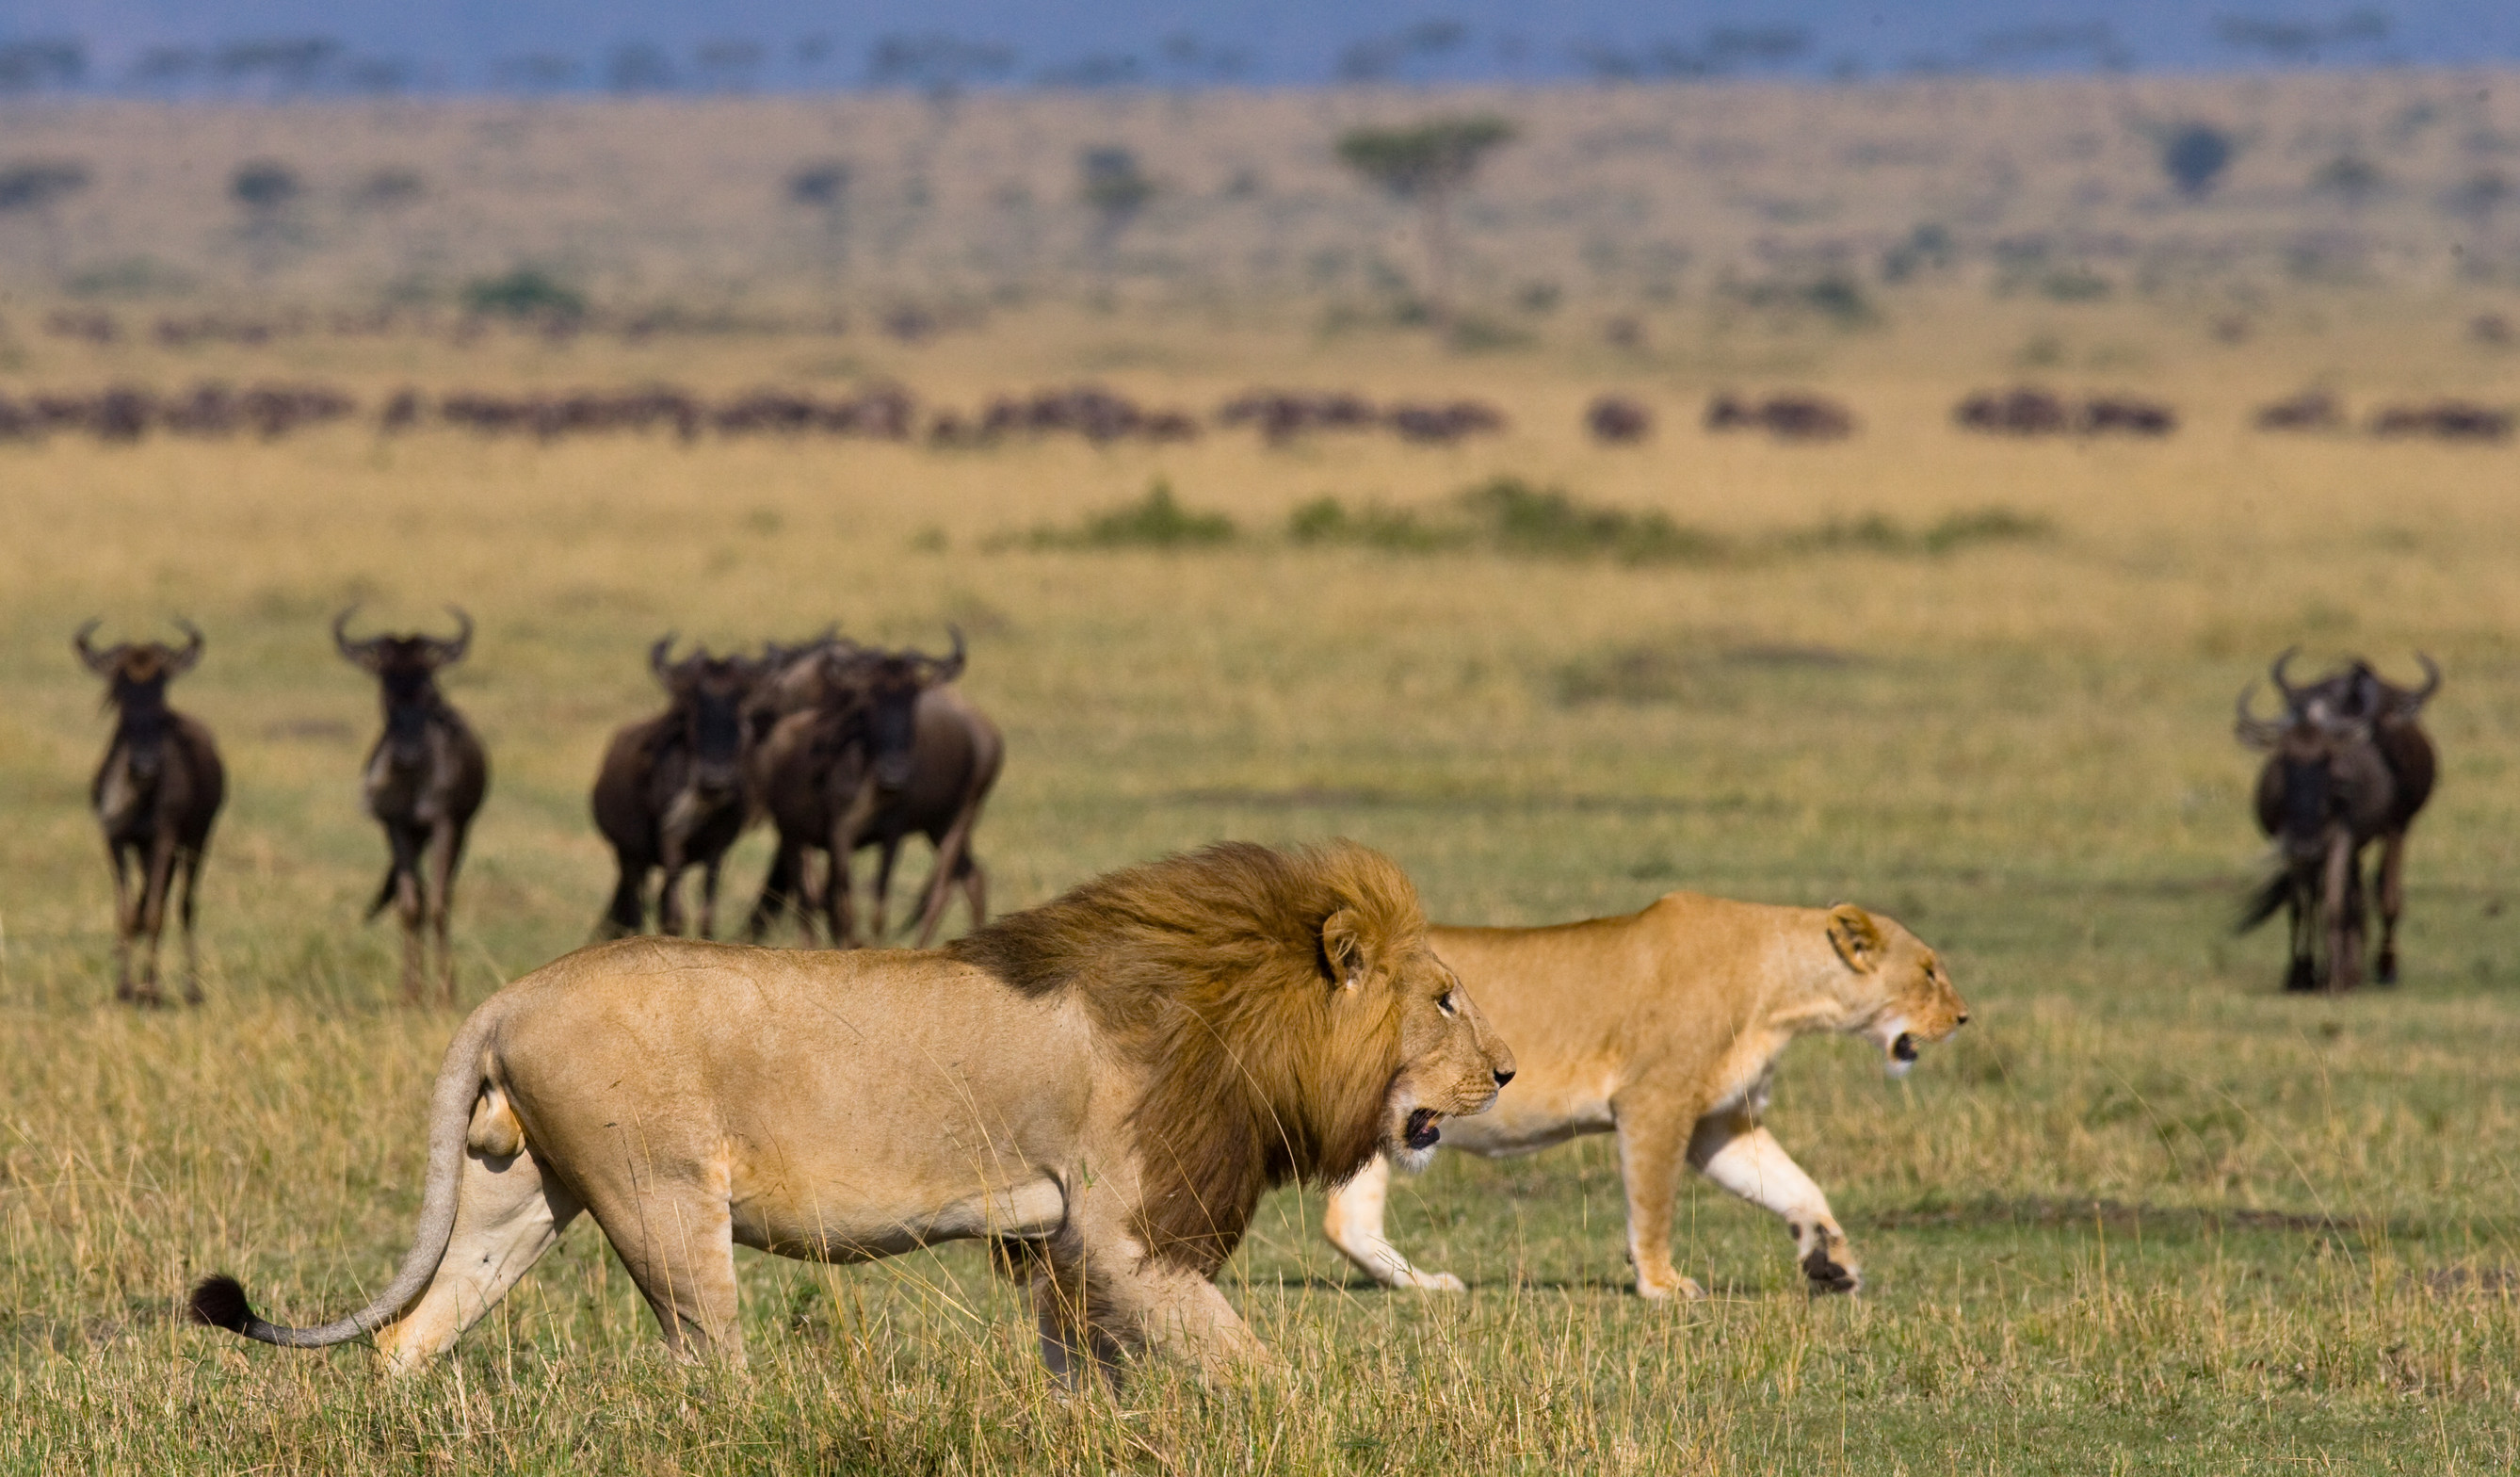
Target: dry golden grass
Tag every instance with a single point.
(2143, 1212)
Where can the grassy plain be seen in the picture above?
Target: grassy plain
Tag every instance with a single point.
(2144, 1214)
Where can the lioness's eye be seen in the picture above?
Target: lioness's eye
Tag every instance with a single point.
(1444, 1002)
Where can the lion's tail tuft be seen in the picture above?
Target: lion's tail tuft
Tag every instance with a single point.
(219, 1302)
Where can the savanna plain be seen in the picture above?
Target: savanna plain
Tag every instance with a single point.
(2145, 1213)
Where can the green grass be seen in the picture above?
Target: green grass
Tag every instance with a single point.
(2143, 1213)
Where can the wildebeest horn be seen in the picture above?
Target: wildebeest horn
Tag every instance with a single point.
(2291, 695)
(952, 667)
(448, 653)
(656, 661)
(2414, 702)
(190, 656)
(2249, 728)
(98, 662)
(361, 654)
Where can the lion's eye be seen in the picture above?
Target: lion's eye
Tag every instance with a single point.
(1444, 1003)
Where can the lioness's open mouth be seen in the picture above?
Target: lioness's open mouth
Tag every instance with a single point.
(1422, 1131)
(1903, 1048)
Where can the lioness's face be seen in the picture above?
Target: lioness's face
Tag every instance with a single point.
(1451, 1064)
(1904, 997)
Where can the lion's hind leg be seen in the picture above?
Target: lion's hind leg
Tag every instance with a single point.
(676, 1238)
(508, 1213)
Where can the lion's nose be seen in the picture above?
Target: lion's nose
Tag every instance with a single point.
(1963, 1020)
(1505, 1076)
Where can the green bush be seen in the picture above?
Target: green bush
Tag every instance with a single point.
(526, 293)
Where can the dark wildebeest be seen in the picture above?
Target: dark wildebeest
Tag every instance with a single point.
(893, 748)
(157, 796)
(2346, 764)
(672, 792)
(422, 782)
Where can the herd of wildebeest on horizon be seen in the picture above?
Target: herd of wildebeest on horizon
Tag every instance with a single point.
(839, 746)
(127, 413)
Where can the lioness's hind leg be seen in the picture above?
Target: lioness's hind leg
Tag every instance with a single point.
(1353, 1220)
(507, 1215)
(1732, 1150)
(1650, 1150)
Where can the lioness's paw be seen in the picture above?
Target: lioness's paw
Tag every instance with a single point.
(1827, 1275)
(1685, 1290)
(1437, 1281)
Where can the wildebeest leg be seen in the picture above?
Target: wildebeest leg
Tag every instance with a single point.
(1353, 1220)
(1651, 1140)
(708, 894)
(629, 911)
(445, 844)
(126, 919)
(2356, 915)
(953, 854)
(976, 887)
(2336, 889)
(153, 910)
(410, 908)
(839, 905)
(1731, 1148)
(2393, 898)
(778, 895)
(191, 950)
(669, 892)
(2301, 913)
(887, 852)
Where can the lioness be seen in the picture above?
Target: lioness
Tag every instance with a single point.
(1664, 1028)
(1104, 1085)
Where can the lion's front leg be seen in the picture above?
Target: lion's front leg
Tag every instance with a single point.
(1108, 1297)
(1730, 1148)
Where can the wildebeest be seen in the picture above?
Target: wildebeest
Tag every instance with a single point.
(891, 748)
(1615, 420)
(2346, 764)
(422, 782)
(671, 793)
(1791, 416)
(157, 796)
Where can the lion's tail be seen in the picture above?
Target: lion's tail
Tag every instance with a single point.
(220, 1301)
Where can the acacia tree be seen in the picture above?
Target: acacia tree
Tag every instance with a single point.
(823, 187)
(1426, 165)
(32, 190)
(1116, 190)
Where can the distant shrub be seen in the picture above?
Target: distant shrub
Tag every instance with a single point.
(1517, 518)
(1881, 535)
(1156, 521)
(1328, 521)
(2194, 156)
(526, 293)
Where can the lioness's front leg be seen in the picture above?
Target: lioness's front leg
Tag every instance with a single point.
(1730, 1148)
(1650, 1150)
(1353, 1220)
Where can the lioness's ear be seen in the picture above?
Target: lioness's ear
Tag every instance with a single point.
(1855, 936)
(1343, 949)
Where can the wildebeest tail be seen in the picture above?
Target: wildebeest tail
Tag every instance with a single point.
(2263, 904)
(220, 1301)
(384, 896)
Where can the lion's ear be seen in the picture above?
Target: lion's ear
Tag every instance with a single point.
(1343, 961)
(1856, 937)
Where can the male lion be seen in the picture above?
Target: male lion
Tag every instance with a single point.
(1103, 1085)
(1664, 1028)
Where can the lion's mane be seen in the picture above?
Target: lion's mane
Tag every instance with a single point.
(1207, 970)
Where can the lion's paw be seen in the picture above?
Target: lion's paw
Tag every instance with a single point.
(1682, 1289)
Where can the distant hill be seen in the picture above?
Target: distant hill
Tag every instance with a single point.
(262, 48)
(1775, 198)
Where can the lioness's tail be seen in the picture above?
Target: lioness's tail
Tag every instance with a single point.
(220, 1301)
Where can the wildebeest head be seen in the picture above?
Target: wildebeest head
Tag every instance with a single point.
(2323, 774)
(136, 676)
(406, 670)
(709, 697)
(2355, 691)
(891, 683)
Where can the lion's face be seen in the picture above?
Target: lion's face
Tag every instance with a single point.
(1451, 1064)
(1901, 997)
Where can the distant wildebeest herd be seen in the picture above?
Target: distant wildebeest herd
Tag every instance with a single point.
(124, 414)
(839, 744)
